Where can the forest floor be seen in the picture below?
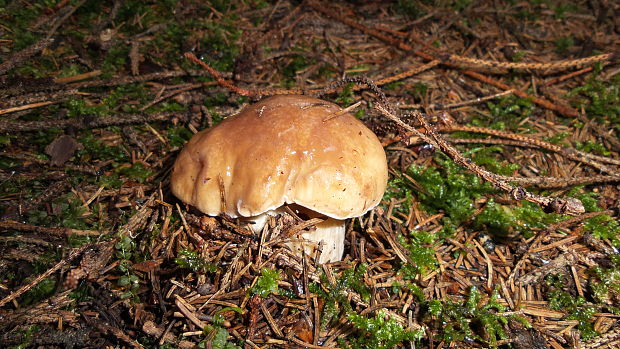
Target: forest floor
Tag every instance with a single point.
(97, 98)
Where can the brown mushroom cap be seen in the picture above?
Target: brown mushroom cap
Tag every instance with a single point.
(282, 150)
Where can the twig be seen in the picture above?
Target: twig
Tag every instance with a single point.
(404, 74)
(15, 294)
(62, 19)
(26, 107)
(405, 47)
(215, 74)
(173, 93)
(118, 333)
(437, 106)
(38, 97)
(571, 153)
(529, 141)
(343, 111)
(11, 225)
(78, 77)
(17, 58)
(539, 67)
(87, 122)
(560, 182)
(565, 206)
(553, 266)
(238, 90)
(330, 88)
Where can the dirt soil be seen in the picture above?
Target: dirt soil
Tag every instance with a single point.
(499, 227)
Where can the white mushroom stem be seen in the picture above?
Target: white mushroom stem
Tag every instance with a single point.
(331, 232)
(257, 223)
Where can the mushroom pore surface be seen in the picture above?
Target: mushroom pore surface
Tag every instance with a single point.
(283, 150)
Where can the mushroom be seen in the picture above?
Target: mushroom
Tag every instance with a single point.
(285, 150)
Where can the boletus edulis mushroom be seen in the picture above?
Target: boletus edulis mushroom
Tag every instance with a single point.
(286, 150)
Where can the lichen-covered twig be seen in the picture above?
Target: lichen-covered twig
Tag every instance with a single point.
(15, 294)
(17, 58)
(445, 60)
(558, 205)
(521, 140)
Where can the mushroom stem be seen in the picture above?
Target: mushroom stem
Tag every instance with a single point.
(257, 223)
(331, 231)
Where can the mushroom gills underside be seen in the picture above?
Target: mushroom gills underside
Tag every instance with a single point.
(331, 232)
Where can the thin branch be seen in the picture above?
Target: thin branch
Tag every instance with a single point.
(438, 106)
(15, 294)
(558, 205)
(87, 122)
(445, 60)
(17, 58)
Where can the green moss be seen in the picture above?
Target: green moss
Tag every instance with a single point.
(133, 92)
(448, 189)
(563, 43)
(421, 247)
(19, 18)
(266, 284)
(95, 149)
(346, 97)
(124, 247)
(42, 138)
(588, 199)
(378, 332)
(600, 99)
(114, 61)
(557, 138)
(27, 188)
(66, 211)
(221, 39)
(561, 9)
(410, 9)
(217, 338)
(518, 56)
(576, 307)
(137, 172)
(42, 290)
(488, 157)
(474, 319)
(394, 86)
(189, 259)
(605, 284)
(419, 90)
(78, 107)
(603, 227)
(178, 135)
(335, 298)
(295, 63)
(126, 253)
(5, 164)
(503, 220)
(26, 337)
(592, 147)
(506, 113)
(111, 181)
(5, 140)
(452, 190)
(45, 260)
